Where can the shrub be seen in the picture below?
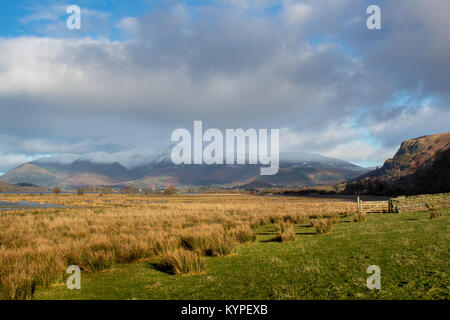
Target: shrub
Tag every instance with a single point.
(170, 190)
(323, 225)
(287, 232)
(435, 213)
(80, 192)
(129, 189)
(56, 190)
(182, 262)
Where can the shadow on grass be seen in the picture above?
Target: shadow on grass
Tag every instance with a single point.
(273, 239)
(279, 239)
(161, 267)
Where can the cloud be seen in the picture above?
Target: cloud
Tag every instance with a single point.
(298, 13)
(49, 19)
(10, 161)
(128, 25)
(329, 82)
(411, 123)
(360, 152)
(340, 140)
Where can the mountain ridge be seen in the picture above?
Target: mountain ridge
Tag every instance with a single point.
(299, 168)
(421, 165)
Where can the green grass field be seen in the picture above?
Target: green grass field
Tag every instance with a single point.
(411, 250)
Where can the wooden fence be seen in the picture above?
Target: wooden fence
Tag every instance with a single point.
(375, 206)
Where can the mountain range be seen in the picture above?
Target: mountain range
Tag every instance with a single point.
(421, 165)
(144, 168)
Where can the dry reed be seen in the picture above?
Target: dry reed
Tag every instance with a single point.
(93, 232)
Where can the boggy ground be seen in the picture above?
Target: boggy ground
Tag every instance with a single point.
(117, 240)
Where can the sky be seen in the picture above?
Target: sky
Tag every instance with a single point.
(139, 69)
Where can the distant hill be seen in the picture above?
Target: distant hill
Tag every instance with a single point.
(304, 169)
(79, 173)
(421, 165)
(255, 185)
(21, 188)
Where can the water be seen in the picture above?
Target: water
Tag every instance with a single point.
(25, 204)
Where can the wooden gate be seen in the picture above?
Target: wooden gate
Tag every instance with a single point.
(374, 206)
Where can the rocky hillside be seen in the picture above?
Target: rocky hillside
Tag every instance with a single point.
(421, 165)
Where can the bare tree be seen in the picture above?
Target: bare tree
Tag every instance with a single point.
(170, 190)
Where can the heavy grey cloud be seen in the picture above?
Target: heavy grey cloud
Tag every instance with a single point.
(311, 68)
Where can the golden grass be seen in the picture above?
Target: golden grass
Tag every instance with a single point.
(287, 232)
(359, 217)
(95, 232)
(323, 225)
(209, 240)
(434, 213)
(244, 234)
(182, 262)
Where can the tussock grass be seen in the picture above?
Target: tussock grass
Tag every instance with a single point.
(212, 242)
(435, 213)
(223, 246)
(348, 212)
(359, 217)
(21, 270)
(96, 260)
(308, 268)
(244, 234)
(323, 225)
(182, 262)
(17, 286)
(95, 232)
(287, 232)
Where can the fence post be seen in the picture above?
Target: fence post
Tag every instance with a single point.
(358, 206)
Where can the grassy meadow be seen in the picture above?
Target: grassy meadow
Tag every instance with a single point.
(219, 247)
